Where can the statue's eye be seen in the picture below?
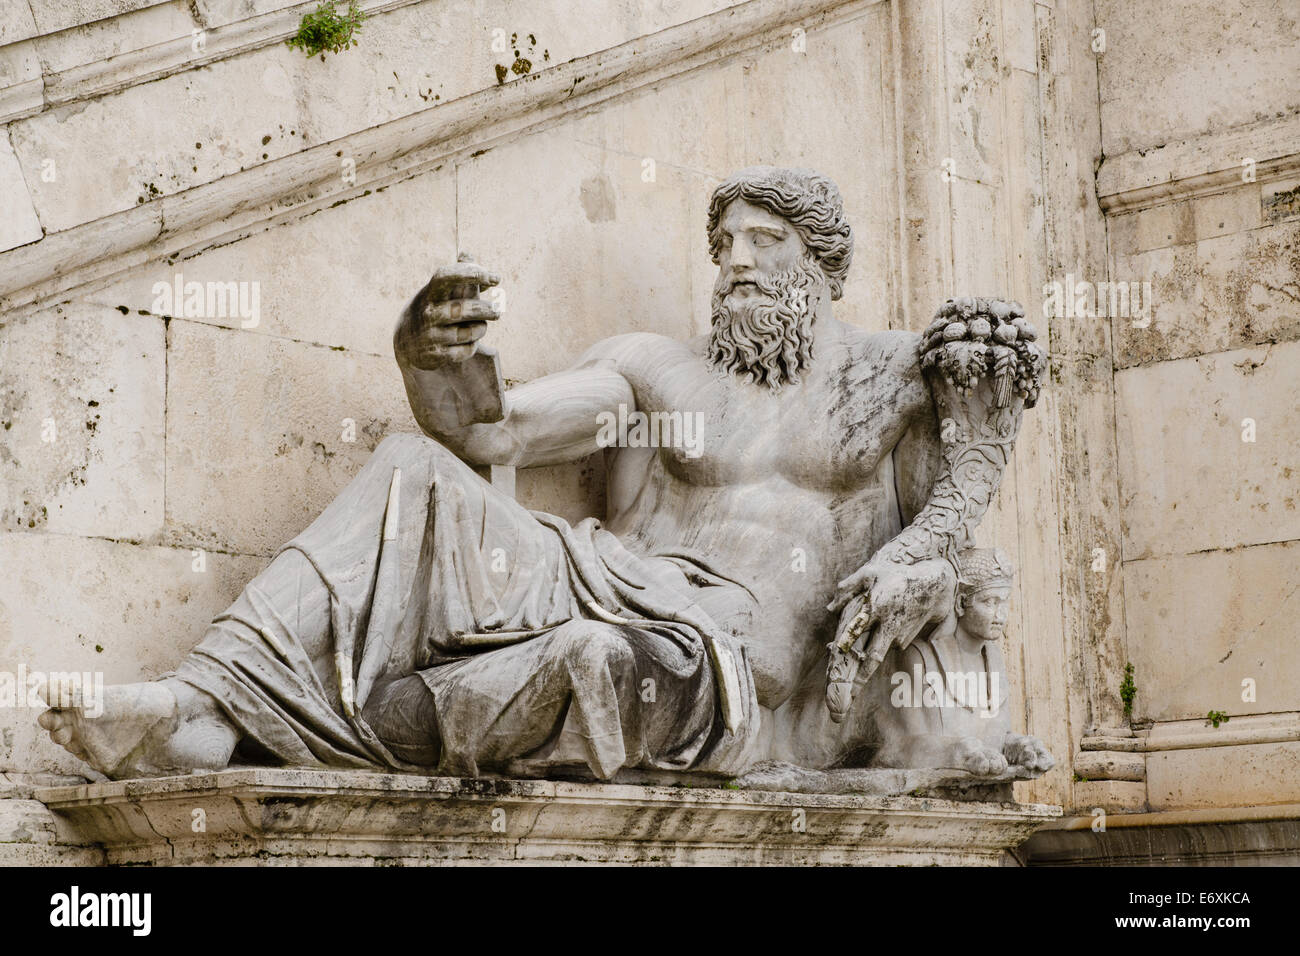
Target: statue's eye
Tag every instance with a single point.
(763, 240)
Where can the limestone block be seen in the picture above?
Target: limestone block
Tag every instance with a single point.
(258, 429)
(562, 252)
(973, 58)
(126, 33)
(1214, 294)
(1201, 624)
(82, 407)
(16, 23)
(54, 15)
(1169, 224)
(1250, 775)
(125, 611)
(1020, 35)
(1110, 796)
(142, 151)
(1237, 210)
(1110, 765)
(21, 83)
(1217, 491)
(978, 237)
(18, 222)
(338, 278)
(1160, 81)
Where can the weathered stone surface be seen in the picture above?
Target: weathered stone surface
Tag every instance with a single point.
(1161, 81)
(574, 491)
(18, 222)
(1244, 776)
(355, 247)
(16, 23)
(254, 457)
(54, 15)
(27, 835)
(539, 236)
(781, 242)
(1109, 796)
(1202, 624)
(82, 406)
(21, 93)
(1110, 765)
(1167, 480)
(1232, 836)
(302, 817)
(123, 611)
(1211, 294)
(1223, 280)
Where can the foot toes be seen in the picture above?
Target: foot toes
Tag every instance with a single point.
(50, 720)
(61, 736)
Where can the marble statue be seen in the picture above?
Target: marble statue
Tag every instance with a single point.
(744, 600)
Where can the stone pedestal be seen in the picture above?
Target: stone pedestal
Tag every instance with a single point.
(295, 817)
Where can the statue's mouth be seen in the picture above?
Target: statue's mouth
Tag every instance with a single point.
(744, 287)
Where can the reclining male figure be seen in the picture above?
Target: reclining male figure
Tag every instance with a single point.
(426, 620)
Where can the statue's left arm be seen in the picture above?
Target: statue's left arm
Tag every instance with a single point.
(982, 366)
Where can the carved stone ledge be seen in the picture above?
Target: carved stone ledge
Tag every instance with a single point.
(299, 817)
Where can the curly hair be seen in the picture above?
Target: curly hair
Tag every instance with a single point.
(807, 200)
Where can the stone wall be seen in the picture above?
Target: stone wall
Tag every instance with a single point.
(1200, 184)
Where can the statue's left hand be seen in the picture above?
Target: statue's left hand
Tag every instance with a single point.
(886, 603)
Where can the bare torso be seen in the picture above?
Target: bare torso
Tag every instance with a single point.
(787, 492)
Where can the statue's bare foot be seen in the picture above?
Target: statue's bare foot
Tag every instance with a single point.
(148, 729)
(971, 754)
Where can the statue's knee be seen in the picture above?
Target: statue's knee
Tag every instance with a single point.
(410, 449)
(404, 443)
(592, 644)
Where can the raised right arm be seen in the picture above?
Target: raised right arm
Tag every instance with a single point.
(547, 421)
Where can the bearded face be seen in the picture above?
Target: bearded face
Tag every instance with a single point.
(763, 322)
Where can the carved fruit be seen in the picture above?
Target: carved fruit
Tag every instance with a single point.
(999, 310)
(1026, 331)
(954, 331)
(1006, 334)
(980, 329)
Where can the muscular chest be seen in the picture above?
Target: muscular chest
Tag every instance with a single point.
(720, 430)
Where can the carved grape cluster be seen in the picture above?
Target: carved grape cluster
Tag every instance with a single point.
(972, 338)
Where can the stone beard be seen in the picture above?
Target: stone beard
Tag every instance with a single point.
(767, 337)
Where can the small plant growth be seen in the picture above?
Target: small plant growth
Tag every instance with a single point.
(1128, 690)
(327, 29)
(1216, 717)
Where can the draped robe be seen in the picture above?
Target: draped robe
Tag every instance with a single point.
(542, 644)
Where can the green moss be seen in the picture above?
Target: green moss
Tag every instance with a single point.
(1216, 717)
(327, 29)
